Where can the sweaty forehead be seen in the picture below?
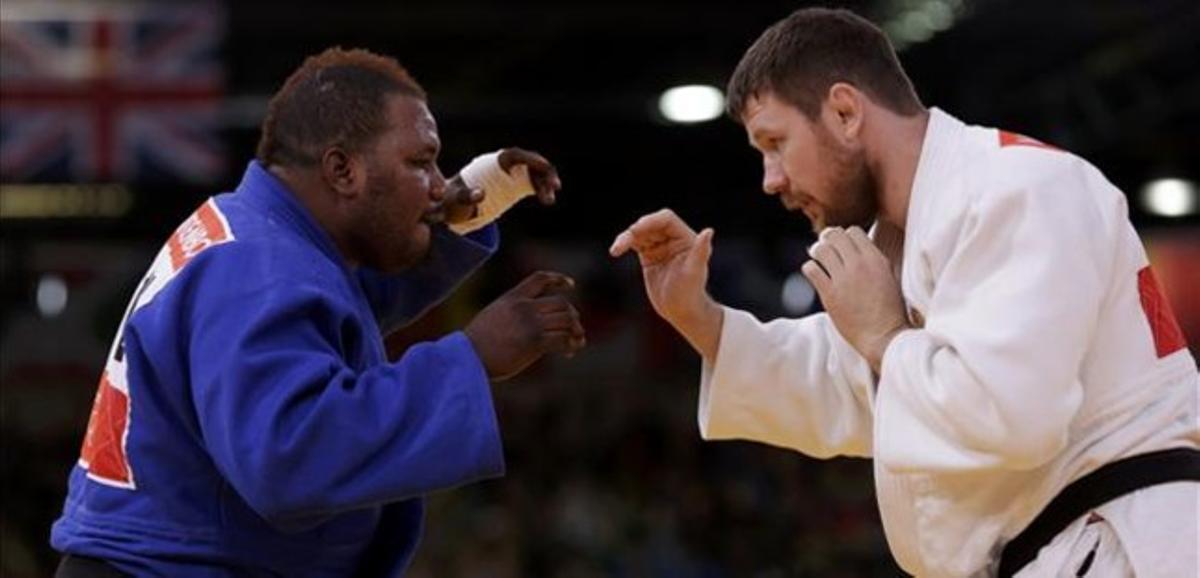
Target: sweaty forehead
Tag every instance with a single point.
(761, 111)
(762, 116)
(769, 115)
(424, 121)
(412, 122)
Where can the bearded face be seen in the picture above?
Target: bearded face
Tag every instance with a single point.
(389, 224)
(851, 190)
(808, 168)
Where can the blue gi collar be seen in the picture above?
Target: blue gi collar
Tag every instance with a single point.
(263, 190)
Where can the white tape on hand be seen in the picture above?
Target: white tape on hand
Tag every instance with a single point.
(501, 190)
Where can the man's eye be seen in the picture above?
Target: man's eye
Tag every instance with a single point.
(768, 144)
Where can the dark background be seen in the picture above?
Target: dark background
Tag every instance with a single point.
(606, 472)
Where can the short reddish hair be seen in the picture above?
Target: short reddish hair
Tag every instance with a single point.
(336, 98)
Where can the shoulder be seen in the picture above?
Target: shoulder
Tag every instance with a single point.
(262, 248)
(1021, 171)
(224, 250)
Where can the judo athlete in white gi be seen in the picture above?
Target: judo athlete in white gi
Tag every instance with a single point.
(997, 343)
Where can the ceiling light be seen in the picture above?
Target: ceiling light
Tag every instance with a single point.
(691, 103)
(798, 295)
(51, 295)
(1170, 197)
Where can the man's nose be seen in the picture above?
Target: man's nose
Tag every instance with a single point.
(774, 181)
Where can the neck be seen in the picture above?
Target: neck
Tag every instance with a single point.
(898, 141)
(309, 189)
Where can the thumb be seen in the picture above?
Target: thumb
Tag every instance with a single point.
(701, 250)
(622, 244)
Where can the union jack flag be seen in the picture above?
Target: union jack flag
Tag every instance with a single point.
(109, 91)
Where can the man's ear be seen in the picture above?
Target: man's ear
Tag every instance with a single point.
(345, 173)
(844, 109)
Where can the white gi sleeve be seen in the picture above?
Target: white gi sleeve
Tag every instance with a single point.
(793, 383)
(992, 379)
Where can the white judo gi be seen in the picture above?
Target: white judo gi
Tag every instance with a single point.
(1043, 350)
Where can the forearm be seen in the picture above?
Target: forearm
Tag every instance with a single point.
(792, 383)
(321, 444)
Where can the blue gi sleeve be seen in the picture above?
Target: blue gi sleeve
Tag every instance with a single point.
(302, 434)
(398, 299)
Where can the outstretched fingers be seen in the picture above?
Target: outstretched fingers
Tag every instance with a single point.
(652, 230)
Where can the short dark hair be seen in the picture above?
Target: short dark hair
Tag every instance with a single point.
(801, 56)
(336, 98)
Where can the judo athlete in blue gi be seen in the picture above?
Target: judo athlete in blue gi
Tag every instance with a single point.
(248, 421)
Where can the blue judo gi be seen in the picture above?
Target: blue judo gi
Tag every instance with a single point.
(248, 422)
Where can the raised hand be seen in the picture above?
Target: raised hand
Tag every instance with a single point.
(674, 262)
(493, 183)
(542, 175)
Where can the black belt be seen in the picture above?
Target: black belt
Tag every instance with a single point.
(75, 566)
(1109, 482)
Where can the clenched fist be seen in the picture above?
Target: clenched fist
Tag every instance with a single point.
(532, 319)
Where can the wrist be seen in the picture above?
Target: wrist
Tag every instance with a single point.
(880, 345)
(702, 327)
